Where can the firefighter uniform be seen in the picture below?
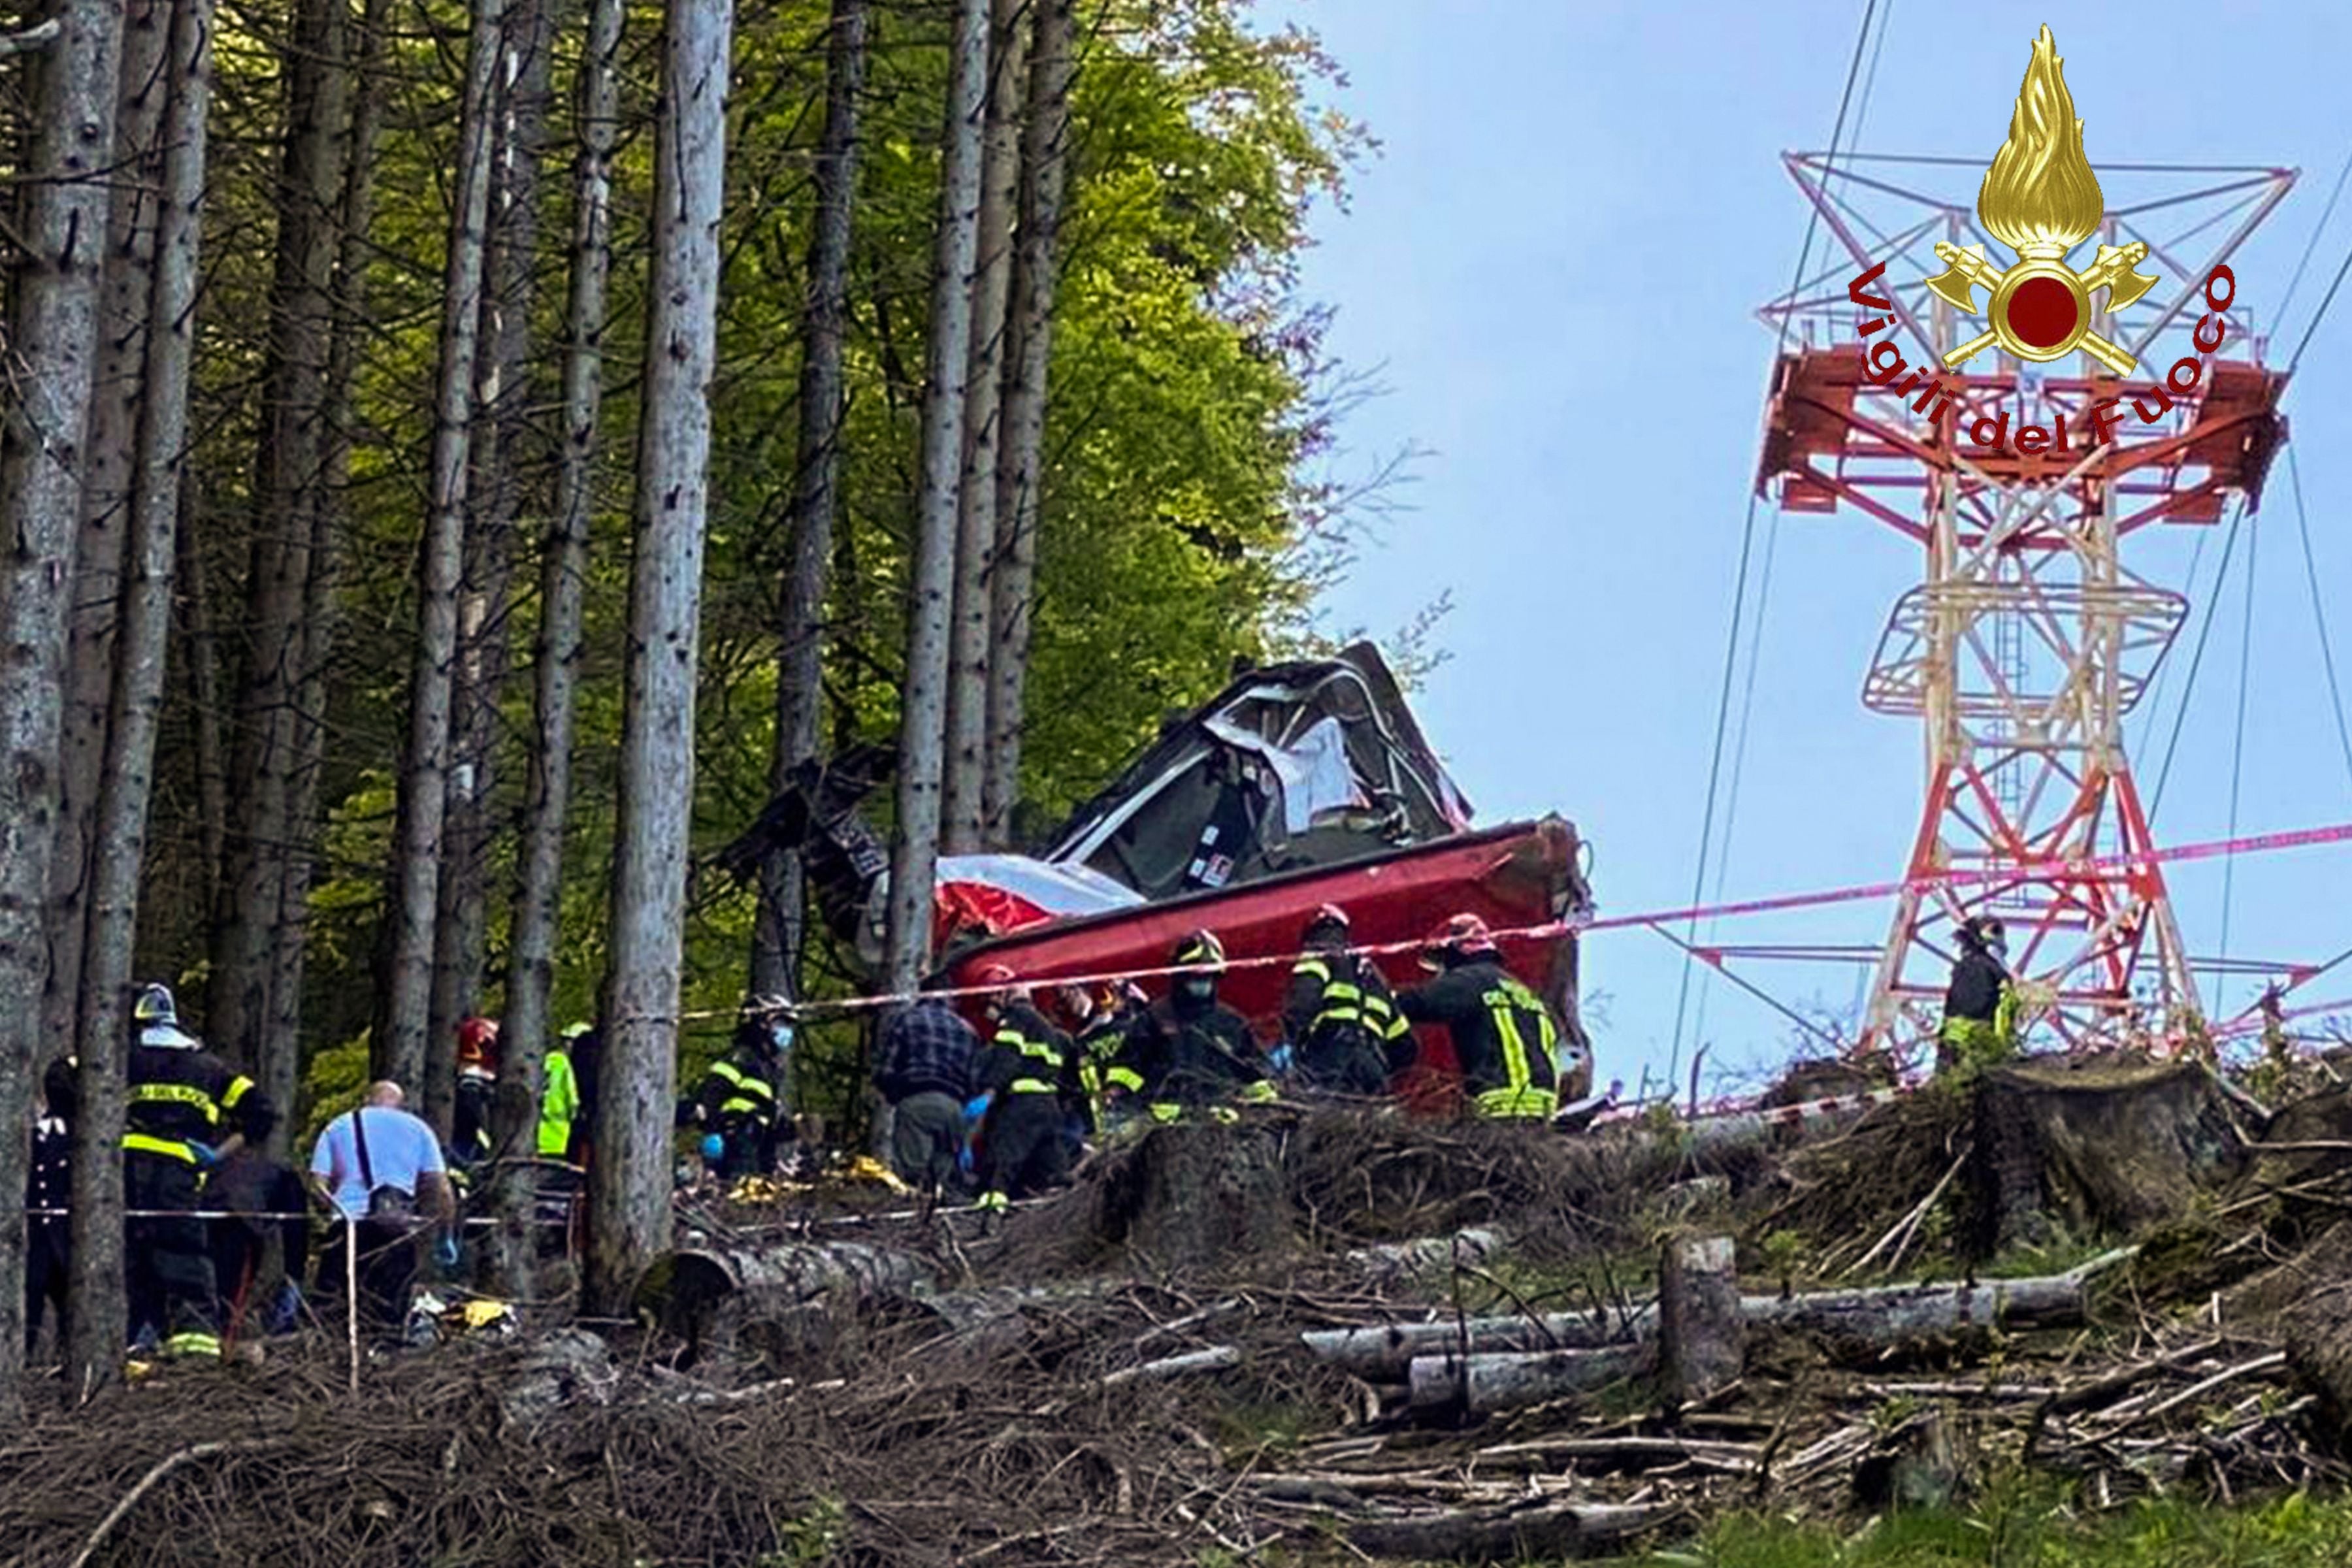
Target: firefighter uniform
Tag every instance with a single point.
(1979, 1025)
(182, 1104)
(1024, 1069)
(1343, 1024)
(738, 1100)
(1108, 1076)
(1503, 1034)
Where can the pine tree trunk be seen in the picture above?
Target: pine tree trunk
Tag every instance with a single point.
(200, 659)
(1044, 152)
(123, 295)
(963, 827)
(404, 990)
(563, 570)
(922, 720)
(279, 1059)
(503, 401)
(629, 1184)
(289, 469)
(153, 526)
(53, 336)
(776, 938)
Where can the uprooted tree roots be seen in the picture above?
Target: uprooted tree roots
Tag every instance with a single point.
(1120, 1375)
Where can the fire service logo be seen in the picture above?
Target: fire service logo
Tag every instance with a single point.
(2041, 199)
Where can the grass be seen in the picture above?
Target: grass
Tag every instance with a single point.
(2039, 1530)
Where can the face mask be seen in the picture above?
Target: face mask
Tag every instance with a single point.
(1998, 948)
(780, 1035)
(1198, 987)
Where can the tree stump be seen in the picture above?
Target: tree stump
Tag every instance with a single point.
(1702, 1334)
(2089, 1146)
(1199, 1196)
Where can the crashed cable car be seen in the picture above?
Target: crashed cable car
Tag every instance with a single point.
(1299, 784)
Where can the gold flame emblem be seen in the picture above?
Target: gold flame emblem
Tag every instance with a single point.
(2042, 199)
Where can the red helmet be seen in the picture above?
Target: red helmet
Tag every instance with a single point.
(1464, 935)
(477, 1042)
(995, 974)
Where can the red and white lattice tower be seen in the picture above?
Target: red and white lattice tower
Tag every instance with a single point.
(2028, 639)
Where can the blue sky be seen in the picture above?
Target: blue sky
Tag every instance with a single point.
(1553, 264)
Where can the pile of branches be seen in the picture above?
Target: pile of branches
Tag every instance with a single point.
(1095, 1431)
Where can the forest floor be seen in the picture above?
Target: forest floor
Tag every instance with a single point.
(2131, 1342)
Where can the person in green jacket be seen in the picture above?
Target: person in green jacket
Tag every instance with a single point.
(559, 1101)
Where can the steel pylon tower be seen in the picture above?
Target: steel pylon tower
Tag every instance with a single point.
(2029, 638)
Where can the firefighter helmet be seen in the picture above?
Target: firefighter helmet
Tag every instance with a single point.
(1328, 921)
(158, 1018)
(1462, 936)
(1200, 949)
(478, 1043)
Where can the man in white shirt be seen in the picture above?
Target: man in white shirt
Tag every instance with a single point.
(365, 1164)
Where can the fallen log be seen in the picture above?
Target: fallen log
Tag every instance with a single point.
(685, 1291)
(1481, 1384)
(1428, 1254)
(1216, 1358)
(1874, 1315)
(1504, 1535)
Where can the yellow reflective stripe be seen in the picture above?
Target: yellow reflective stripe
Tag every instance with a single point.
(1127, 1078)
(1517, 1103)
(1258, 1093)
(1314, 966)
(171, 1149)
(728, 1071)
(1031, 1085)
(176, 1094)
(1166, 1110)
(1514, 1049)
(238, 1088)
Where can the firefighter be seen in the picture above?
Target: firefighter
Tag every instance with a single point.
(187, 1111)
(739, 1098)
(1022, 1070)
(1345, 1031)
(1105, 1017)
(1980, 1004)
(1504, 1035)
(478, 1082)
(1191, 1049)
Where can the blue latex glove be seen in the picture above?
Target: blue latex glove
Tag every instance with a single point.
(207, 1157)
(714, 1147)
(1281, 1058)
(444, 1252)
(974, 1109)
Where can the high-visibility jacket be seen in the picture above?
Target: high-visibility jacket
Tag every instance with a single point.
(559, 1104)
(1026, 1054)
(737, 1089)
(178, 1095)
(1503, 1035)
(1196, 1052)
(1342, 1021)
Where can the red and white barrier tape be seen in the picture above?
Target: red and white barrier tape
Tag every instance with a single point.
(2089, 866)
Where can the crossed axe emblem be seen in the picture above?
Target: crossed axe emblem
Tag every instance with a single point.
(2041, 308)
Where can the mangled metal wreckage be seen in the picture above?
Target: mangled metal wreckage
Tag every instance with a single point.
(1299, 784)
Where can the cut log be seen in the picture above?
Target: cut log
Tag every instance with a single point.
(1881, 1315)
(1428, 1253)
(1386, 1349)
(1504, 1535)
(686, 1291)
(1702, 1337)
(1216, 1358)
(568, 1366)
(1480, 1383)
